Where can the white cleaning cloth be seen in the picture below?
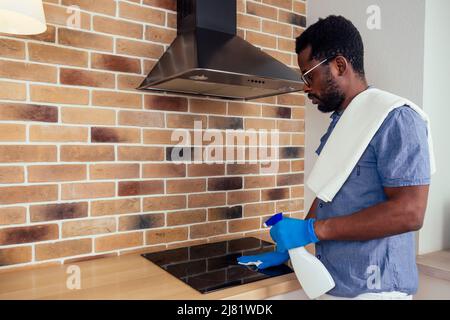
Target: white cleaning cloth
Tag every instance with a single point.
(350, 138)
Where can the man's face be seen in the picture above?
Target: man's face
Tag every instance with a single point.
(323, 90)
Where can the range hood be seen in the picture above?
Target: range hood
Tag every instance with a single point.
(207, 58)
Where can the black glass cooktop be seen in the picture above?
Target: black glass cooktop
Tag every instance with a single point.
(213, 266)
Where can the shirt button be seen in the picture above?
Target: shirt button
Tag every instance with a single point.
(320, 205)
(319, 256)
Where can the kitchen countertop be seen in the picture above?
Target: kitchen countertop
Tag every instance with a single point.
(126, 277)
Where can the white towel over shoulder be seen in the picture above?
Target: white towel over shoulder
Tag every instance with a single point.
(350, 138)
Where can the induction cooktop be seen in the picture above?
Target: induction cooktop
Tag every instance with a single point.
(213, 266)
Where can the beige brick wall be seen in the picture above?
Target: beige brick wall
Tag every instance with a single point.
(84, 167)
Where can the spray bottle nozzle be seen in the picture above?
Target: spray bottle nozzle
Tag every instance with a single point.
(273, 220)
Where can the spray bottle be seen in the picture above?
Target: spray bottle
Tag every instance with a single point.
(311, 273)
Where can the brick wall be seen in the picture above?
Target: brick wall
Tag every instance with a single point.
(85, 167)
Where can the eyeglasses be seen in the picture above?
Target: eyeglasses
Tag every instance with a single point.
(307, 79)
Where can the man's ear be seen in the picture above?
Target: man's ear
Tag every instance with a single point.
(341, 64)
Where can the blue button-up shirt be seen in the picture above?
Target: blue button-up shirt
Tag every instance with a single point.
(396, 156)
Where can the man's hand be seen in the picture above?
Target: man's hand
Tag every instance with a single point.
(265, 260)
(293, 233)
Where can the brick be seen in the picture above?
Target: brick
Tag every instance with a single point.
(208, 106)
(172, 20)
(55, 173)
(113, 207)
(259, 209)
(274, 194)
(115, 63)
(138, 188)
(298, 113)
(61, 16)
(13, 215)
(140, 153)
(12, 90)
(11, 174)
(258, 124)
(58, 211)
(276, 28)
(27, 153)
(87, 78)
(118, 27)
(299, 7)
(290, 179)
(117, 99)
(27, 71)
(202, 170)
(224, 213)
(226, 183)
(87, 153)
(286, 45)
(86, 40)
(12, 49)
(114, 171)
(62, 95)
(164, 203)
(292, 18)
(141, 119)
(186, 217)
(261, 10)
(161, 35)
(207, 229)
(88, 227)
(248, 168)
(298, 165)
(115, 135)
(101, 6)
(207, 200)
(17, 255)
(119, 241)
(129, 82)
(164, 4)
(72, 191)
(225, 123)
(292, 152)
(248, 22)
(141, 13)
(12, 132)
(241, 225)
(276, 112)
(290, 205)
(237, 197)
(291, 100)
(286, 4)
(166, 235)
(244, 109)
(163, 170)
(259, 182)
(165, 103)
(291, 125)
(139, 48)
(142, 221)
(185, 186)
(58, 134)
(28, 234)
(158, 137)
(261, 40)
(185, 121)
(297, 192)
(149, 65)
(60, 249)
(88, 116)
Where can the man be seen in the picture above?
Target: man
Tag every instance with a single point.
(364, 236)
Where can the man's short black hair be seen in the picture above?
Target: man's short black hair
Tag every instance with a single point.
(334, 35)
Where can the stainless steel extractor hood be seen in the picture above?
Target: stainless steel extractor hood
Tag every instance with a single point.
(207, 58)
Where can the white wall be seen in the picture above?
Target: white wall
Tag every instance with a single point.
(408, 59)
(435, 235)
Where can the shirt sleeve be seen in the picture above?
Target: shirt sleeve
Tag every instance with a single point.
(401, 148)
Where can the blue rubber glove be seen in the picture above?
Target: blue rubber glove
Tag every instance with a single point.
(291, 233)
(265, 260)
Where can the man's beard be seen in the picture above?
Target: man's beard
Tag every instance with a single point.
(333, 97)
